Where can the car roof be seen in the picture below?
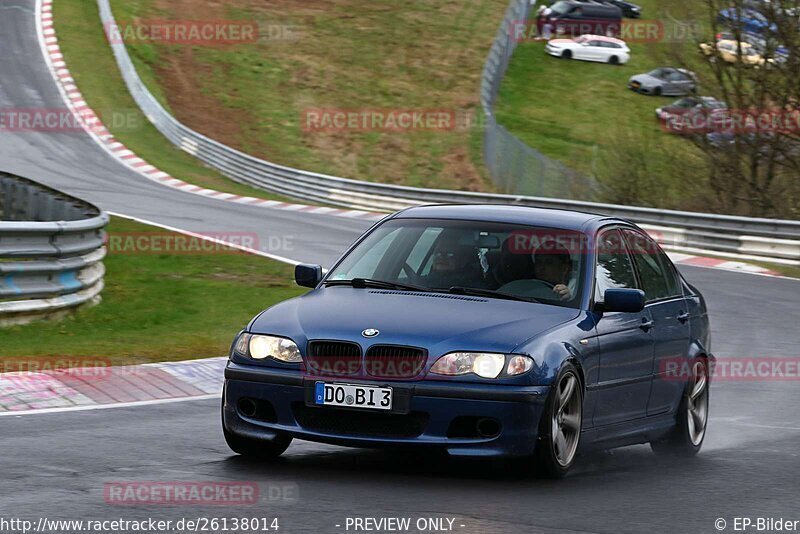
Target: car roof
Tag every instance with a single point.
(603, 38)
(511, 214)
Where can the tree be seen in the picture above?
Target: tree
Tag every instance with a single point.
(754, 162)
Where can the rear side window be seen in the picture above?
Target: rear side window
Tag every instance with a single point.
(614, 269)
(658, 277)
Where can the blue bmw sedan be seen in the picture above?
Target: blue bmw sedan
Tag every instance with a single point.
(484, 331)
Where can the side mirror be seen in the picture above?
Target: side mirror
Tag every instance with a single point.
(623, 300)
(307, 275)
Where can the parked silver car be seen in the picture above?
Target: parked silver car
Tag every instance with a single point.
(667, 81)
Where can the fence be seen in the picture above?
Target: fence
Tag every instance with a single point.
(775, 239)
(51, 250)
(516, 167)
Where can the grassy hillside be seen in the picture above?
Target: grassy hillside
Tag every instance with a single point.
(348, 54)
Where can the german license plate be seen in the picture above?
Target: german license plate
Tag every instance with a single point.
(352, 396)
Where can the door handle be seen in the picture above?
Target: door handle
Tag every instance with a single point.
(683, 317)
(647, 324)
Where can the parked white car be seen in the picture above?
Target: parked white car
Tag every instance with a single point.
(591, 48)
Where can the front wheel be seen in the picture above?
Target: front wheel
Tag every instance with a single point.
(566, 54)
(687, 437)
(560, 426)
(255, 448)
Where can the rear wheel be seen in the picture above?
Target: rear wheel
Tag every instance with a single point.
(614, 60)
(690, 431)
(560, 426)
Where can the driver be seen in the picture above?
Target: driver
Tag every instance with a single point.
(552, 265)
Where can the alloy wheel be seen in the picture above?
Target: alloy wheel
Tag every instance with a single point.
(566, 421)
(697, 403)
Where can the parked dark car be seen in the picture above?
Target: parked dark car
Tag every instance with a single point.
(629, 9)
(666, 81)
(746, 19)
(574, 18)
(482, 331)
(693, 115)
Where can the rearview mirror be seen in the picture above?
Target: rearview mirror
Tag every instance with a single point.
(307, 275)
(488, 241)
(623, 300)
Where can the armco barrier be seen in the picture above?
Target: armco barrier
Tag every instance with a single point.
(732, 236)
(51, 250)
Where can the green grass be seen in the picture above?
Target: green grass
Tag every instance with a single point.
(91, 62)
(353, 54)
(161, 307)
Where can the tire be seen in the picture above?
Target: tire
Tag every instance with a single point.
(566, 54)
(657, 91)
(256, 449)
(613, 60)
(686, 439)
(551, 459)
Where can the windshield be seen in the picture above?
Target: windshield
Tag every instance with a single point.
(537, 264)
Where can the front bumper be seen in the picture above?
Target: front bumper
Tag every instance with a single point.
(554, 50)
(427, 414)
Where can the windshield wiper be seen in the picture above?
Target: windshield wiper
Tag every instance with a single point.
(379, 284)
(474, 291)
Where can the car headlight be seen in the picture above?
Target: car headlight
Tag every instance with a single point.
(260, 347)
(483, 364)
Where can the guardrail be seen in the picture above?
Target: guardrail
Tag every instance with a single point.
(767, 239)
(51, 251)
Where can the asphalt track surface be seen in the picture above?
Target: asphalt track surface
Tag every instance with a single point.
(56, 465)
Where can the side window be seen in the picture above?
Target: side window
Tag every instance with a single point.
(614, 269)
(659, 279)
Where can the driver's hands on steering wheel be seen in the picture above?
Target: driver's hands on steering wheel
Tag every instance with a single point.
(562, 292)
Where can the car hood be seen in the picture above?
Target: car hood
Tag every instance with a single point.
(561, 42)
(646, 79)
(440, 323)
